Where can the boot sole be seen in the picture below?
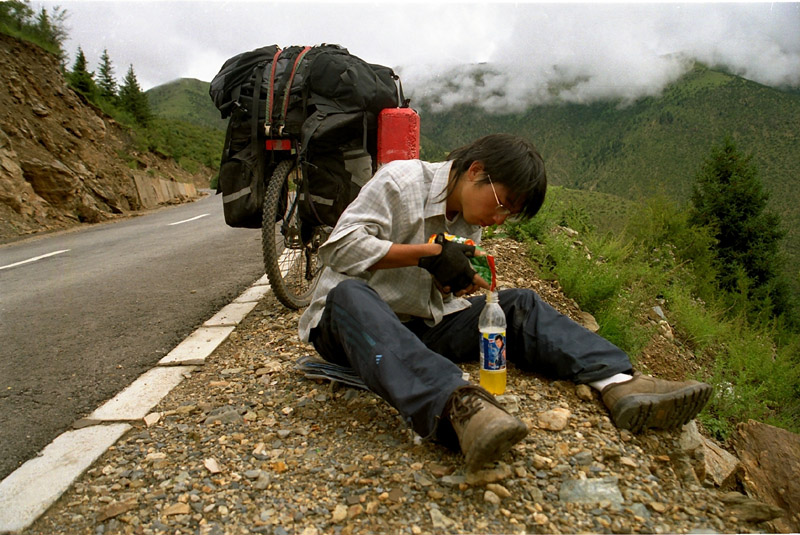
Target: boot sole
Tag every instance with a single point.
(638, 412)
(502, 442)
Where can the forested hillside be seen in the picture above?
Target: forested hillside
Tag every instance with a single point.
(187, 100)
(655, 145)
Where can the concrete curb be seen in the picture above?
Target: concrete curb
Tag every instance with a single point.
(33, 487)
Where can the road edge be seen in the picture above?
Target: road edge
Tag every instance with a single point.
(31, 489)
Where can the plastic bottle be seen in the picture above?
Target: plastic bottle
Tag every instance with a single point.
(492, 327)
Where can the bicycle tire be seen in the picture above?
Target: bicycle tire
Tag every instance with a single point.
(290, 261)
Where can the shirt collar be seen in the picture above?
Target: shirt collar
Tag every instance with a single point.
(436, 203)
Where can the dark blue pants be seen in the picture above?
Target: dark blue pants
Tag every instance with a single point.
(412, 366)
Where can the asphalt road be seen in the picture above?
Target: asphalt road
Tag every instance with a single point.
(84, 313)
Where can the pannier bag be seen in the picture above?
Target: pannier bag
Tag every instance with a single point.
(324, 98)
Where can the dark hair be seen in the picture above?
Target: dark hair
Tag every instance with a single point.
(510, 160)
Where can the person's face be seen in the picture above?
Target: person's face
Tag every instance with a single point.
(484, 203)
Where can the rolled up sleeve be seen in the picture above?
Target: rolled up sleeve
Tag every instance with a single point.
(367, 229)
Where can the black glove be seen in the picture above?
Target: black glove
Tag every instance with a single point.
(451, 267)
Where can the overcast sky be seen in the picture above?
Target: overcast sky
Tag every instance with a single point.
(585, 50)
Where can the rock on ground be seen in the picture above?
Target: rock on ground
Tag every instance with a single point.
(292, 455)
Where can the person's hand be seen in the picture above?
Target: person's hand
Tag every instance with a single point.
(451, 269)
(477, 284)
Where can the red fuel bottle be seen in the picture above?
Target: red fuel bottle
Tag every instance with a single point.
(398, 135)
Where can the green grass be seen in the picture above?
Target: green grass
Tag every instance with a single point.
(654, 146)
(657, 257)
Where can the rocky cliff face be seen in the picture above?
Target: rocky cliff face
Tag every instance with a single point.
(62, 161)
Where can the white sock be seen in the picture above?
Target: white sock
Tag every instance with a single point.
(618, 378)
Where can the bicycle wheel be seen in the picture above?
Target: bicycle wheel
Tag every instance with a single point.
(289, 245)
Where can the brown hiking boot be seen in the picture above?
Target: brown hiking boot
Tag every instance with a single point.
(485, 430)
(644, 402)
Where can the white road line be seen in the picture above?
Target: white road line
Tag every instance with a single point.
(26, 493)
(187, 220)
(34, 259)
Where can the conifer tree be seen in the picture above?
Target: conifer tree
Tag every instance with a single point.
(79, 77)
(15, 14)
(133, 100)
(728, 197)
(45, 28)
(52, 30)
(105, 78)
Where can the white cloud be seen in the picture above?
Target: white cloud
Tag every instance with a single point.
(579, 51)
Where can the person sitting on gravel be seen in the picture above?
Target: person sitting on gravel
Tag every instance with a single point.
(403, 328)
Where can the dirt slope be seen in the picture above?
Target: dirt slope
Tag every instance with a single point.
(62, 161)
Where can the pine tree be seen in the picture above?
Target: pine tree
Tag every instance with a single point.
(133, 100)
(46, 29)
(15, 14)
(79, 77)
(728, 197)
(105, 78)
(52, 30)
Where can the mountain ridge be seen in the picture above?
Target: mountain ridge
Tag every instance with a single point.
(654, 146)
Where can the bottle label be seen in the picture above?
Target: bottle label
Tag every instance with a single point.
(493, 351)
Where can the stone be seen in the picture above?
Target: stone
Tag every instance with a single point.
(177, 509)
(721, 467)
(588, 321)
(491, 497)
(439, 520)
(453, 481)
(499, 490)
(439, 470)
(584, 392)
(554, 419)
(152, 419)
(117, 508)
(355, 510)
(339, 513)
(750, 510)
(212, 466)
(658, 507)
(591, 491)
(224, 415)
(657, 314)
(770, 457)
(540, 461)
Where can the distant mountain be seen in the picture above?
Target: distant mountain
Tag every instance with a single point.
(186, 100)
(655, 145)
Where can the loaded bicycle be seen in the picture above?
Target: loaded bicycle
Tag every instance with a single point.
(290, 244)
(307, 128)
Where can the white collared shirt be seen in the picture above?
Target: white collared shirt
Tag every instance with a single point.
(403, 203)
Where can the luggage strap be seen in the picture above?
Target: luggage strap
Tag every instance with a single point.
(287, 91)
(271, 94)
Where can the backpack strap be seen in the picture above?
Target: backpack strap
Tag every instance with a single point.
(271, 93)
(287, 91)
(255, 106)
(256, 112)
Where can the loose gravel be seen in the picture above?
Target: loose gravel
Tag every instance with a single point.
(247, 444)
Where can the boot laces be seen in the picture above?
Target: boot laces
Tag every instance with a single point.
(467, 401)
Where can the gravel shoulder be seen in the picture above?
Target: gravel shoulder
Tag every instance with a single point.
(247, 444)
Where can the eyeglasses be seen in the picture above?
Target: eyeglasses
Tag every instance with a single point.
(500, 209)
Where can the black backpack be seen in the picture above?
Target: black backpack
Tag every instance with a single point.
(324, 98)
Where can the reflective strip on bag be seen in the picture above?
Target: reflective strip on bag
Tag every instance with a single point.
(358, 163)
(237, 195)
(316, 199)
